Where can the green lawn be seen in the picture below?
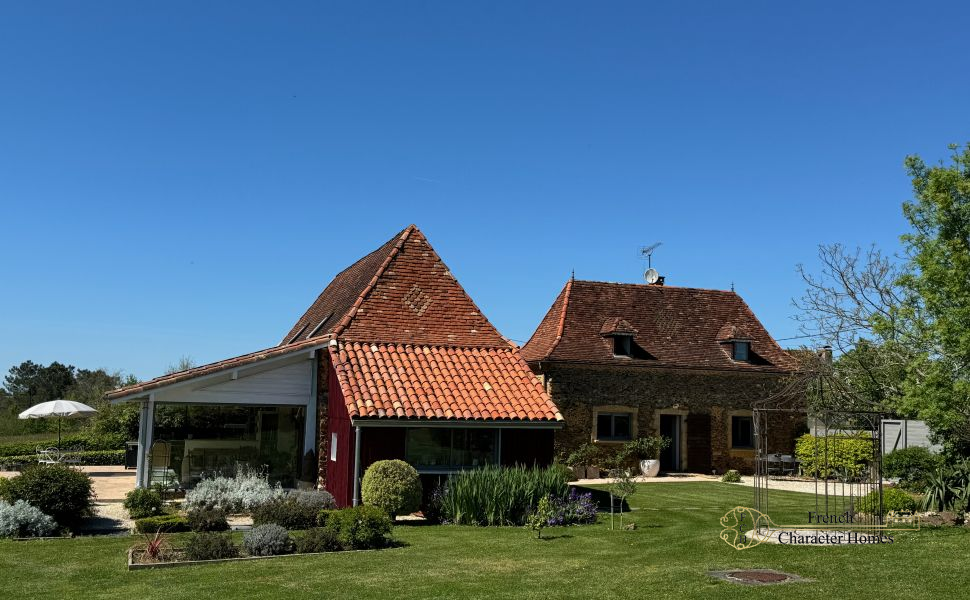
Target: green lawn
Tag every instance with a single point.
(669, 555)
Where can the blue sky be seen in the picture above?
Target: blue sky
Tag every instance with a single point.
(183, 178)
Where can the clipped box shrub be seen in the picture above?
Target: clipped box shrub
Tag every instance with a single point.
(207, 519)
(143, 502)
(392, 485)
(286, 512)
(731, 476)
(268, 540)
(207, 545)
(360, 527)
(87, 457)
(318, 539)
(56, 490)
(893, 499)
(23, 520)
(163, 523)
(84, 443)
(834, 456)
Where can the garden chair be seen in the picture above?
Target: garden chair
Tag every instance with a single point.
(48, 456)
(71, 456)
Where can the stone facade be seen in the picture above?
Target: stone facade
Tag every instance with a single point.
(704, 400)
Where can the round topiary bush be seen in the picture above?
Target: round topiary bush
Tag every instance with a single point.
(392, 485)
(893, 499)
(56, 490)
(143, 502)
(731, 476)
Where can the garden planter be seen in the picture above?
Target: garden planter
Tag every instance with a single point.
(650, 467)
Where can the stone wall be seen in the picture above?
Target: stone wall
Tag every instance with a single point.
(578, 390)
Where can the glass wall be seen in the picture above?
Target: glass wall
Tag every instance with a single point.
(438, 449)
(192, 440)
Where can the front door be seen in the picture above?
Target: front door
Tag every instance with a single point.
(670, 428)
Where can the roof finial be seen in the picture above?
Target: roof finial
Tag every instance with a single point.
(573, 276)
(732, 286)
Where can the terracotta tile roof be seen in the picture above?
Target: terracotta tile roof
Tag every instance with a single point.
(678, 327)
(345, 292)
(617, 326)
(730, 331)
(413, 344)
(222, 365)
(402, 292)
(439, 382)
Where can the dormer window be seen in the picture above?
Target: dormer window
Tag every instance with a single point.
(622, 345)
(742, 351)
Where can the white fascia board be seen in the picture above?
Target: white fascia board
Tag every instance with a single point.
(311, 350)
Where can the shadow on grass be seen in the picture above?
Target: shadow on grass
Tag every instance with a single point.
(547, 538)
(602, 500)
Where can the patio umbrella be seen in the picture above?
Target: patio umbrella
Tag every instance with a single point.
(58, 408)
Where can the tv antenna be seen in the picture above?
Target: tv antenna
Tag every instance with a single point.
(651, 275)
(648, 252)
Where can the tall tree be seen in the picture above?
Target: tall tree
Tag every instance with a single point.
(902, 326)
(30, 383)
(938, 284)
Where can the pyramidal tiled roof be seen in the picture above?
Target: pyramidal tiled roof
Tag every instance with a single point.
(411, 343)
(678, 327)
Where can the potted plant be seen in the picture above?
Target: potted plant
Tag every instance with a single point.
(647, 451)
(584, 461)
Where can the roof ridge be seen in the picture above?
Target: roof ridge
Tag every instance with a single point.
(651, 286)
(349, 315)
(561, 329)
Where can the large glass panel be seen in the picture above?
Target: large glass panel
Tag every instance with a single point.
(193, 440)
(434, 449)
(428, 447)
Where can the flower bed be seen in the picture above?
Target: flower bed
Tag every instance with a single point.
(176, 555)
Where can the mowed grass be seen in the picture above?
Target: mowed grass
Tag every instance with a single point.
(667, 556)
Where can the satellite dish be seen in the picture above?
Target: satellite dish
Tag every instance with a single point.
(651, 275)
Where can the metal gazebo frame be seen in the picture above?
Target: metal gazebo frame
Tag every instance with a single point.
(837, 414)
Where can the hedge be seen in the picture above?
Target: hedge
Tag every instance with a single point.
(840, 456)
(164, 523)
(85, 443)
(95, 457)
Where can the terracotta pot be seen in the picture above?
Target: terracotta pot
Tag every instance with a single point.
(650, 467)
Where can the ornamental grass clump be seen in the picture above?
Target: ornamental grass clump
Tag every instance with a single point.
(493, 495)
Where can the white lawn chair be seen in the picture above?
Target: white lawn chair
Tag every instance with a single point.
(48, 456)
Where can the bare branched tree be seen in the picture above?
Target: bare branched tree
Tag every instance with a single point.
(856, 305)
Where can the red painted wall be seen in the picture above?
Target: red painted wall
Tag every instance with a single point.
(340, 472)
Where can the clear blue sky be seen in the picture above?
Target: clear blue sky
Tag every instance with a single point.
(183, 178)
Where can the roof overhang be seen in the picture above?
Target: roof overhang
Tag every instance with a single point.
(230, 368)
(456, 423)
